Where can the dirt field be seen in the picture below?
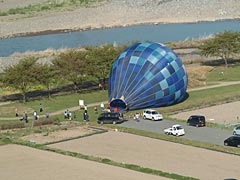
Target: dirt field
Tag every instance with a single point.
(24, 163)
(119, 147)
(157, 154)
(222, 114)
(42, 138)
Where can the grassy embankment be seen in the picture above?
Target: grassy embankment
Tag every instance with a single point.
(195, 99)
(200, 98)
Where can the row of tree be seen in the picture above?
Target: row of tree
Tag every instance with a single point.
(94, 64)
(73, 66)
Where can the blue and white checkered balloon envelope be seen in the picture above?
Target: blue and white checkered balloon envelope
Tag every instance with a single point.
(147, 75)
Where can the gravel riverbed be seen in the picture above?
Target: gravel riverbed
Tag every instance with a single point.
(115, 13)
(111, 14)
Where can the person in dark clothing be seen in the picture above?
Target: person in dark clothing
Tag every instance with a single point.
(25, 117)
(16, 112)
(40, 108)
(47, 115)
(85, 116)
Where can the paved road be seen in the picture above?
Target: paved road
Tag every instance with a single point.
(202, 134)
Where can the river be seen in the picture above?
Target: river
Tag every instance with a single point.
(118, 35)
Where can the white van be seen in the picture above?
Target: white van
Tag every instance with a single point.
(152, 114)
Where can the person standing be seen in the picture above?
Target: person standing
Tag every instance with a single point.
(85, 108)
(23, 117)
(26, 117)
(85, 116)
(16, 112)
(69, 115)
(65, 114)
(95, 110)
(47, 115)
(35, 115)
(137, 116)
(40, 107)
(102, 106)
(115, 109)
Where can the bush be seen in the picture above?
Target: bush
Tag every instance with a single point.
(3, 14)
(12, 126)
(44, 122)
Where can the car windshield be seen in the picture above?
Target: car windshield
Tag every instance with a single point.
(231, 138)
(179, 127)
(155, 112)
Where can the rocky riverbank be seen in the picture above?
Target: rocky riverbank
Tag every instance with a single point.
(111, 13)
(114, 13)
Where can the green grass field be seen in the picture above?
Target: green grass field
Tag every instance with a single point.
(224, 74)
(200, 98)
(207, 97)
(195, 99)
(53, 104)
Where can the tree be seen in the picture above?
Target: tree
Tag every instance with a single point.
(224, 45)
(100, 60)
(71, 66)
(46, 75)
(21, 76)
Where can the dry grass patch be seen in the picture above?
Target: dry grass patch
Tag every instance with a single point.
(12, 110)
(65, 133)
(197, 75)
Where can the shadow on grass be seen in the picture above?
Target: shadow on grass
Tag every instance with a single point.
(63, 90)
(220, 62)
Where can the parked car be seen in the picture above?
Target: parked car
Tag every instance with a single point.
(236, 130)
(175, 130)
(152, 115)
(196, 120)
(232, 141)
(109, 118)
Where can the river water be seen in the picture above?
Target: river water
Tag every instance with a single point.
(122, 35)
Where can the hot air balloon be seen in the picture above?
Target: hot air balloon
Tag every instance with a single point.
(146, 75)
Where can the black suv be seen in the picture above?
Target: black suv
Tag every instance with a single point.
(232, 141)
(196, 120)
(109, 118)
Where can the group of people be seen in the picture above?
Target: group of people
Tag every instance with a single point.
(24, 117)
(68, 115)
(35, 115)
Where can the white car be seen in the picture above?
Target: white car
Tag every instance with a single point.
(152, 115)
(236, 130)
(175, 130)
